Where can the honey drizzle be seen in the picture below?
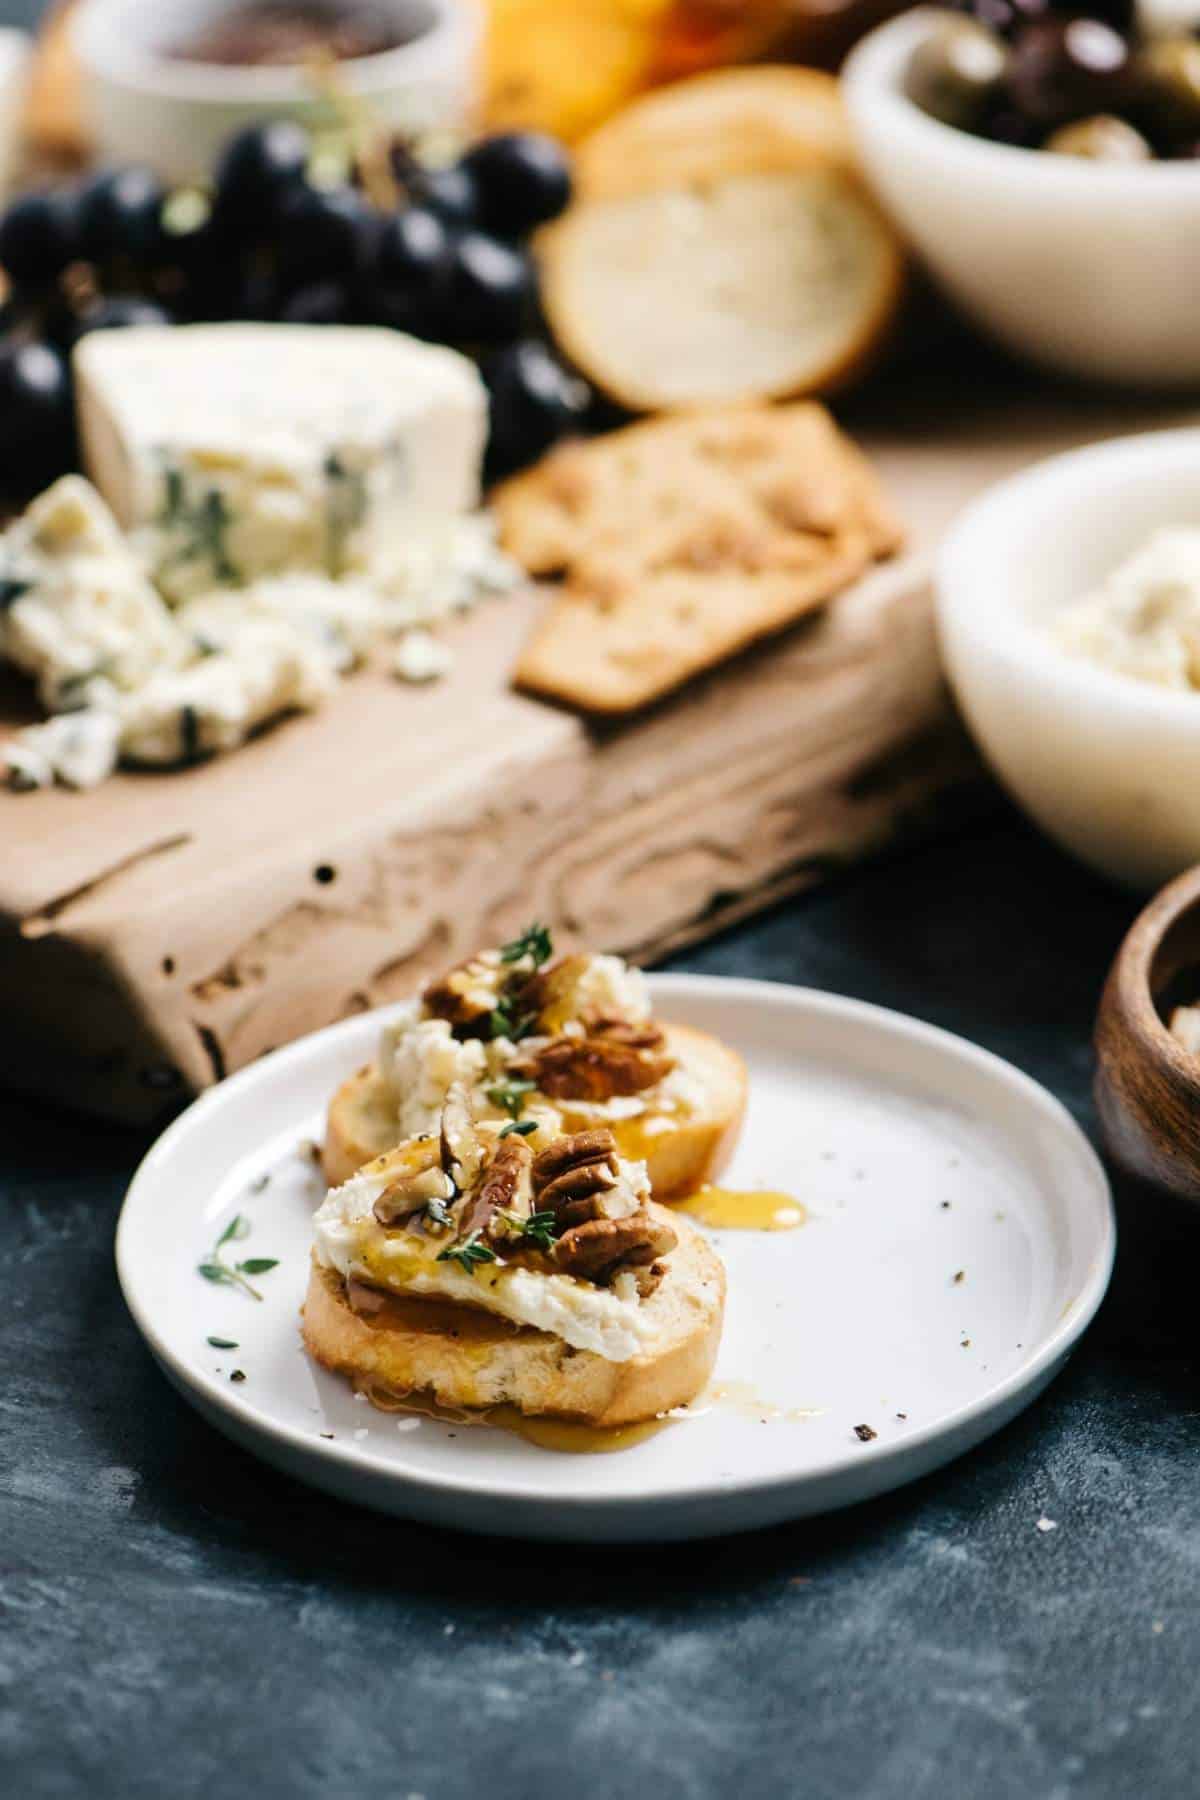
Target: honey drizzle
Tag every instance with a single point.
(566, 1436)
(754, 1209)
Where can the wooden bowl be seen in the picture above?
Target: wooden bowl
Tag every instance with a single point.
(1147, 1084)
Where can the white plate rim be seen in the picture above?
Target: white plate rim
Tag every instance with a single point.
(987, 1411)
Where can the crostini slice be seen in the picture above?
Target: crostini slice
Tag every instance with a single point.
(588, 1053)
(482, 1268)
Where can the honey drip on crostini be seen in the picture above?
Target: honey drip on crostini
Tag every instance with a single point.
(752, 1209)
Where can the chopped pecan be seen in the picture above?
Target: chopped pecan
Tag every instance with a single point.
(595, 1068)
(602, 1248)
(411, 1193)
(506, 1187)
(460, 1151)
(644, 1036)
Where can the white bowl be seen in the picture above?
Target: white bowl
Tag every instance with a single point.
(1085, 267)
(145, 106)
(1107, 765)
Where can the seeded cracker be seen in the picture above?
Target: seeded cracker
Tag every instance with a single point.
(682, 540)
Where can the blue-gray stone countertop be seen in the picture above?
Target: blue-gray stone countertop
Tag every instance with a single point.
(177, 1620)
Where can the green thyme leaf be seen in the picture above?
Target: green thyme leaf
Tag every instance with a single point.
(222, 1343)
(523, 1129)
(539, 1228)
(534, 942)
(509, 1095)
(468, 1254)
(213, 1268)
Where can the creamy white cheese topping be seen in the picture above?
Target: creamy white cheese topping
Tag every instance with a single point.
(420, 1060)
(1144, 619)
(609, 1321)
(608, 985)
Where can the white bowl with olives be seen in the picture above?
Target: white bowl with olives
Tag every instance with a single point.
(1078, 245)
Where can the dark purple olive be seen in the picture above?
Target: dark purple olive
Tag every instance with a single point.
(448, 192)
(1004, 17)
(1065, 69)
(121, 216)
(322, 234)
(36, 417)
(38, 238)
(257, 170)
(490, 290)
(534, 403)
(522, 179)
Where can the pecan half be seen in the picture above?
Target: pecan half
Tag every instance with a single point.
(506, 1187)
(570, 1177)
(595, 1068)
(601, 1248)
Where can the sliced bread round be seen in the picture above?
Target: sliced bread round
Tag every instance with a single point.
(463, 1357)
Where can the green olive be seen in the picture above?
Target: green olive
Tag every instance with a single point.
(1169, 73)
(955, 72)
(1104, 139)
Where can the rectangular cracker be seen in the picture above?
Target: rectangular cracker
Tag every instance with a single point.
(679, 541)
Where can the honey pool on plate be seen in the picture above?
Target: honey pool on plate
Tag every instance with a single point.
(744, 1209)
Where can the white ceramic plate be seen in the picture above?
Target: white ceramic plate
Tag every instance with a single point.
(960, 1237)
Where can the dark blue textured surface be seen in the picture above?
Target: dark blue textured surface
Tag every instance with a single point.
(176, 1620)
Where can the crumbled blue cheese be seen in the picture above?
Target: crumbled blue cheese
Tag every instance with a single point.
(418, 658)
(76, 606)
(79, 749)
(216, 703)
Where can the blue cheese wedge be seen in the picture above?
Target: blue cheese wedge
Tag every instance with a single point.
(242, 451)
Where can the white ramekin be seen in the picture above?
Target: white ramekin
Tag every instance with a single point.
(1085, 267)
(1108, 766)
(145, 107)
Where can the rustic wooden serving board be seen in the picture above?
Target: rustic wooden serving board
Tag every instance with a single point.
(169, 928)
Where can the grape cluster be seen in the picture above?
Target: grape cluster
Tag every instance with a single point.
(1077, 79)
(272, 240)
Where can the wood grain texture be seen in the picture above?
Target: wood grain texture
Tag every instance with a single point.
(1147, 1084)
(170, 928)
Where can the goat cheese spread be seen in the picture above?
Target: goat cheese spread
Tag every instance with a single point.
(607, 1320)
(268, 506)
(1144, 619)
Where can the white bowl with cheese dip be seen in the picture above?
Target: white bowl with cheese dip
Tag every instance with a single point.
(145, 103)
(1107, 764)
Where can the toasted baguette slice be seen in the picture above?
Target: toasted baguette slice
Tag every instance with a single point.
(680, 1159)
(461, 1356)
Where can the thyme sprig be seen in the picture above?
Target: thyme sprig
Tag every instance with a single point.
(539, 1227)
(534, 942)
(523, 1128)
(469, 1254)
(509, 1095)
(223, 1274)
